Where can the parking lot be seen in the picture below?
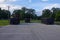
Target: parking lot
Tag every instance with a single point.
(30, 31)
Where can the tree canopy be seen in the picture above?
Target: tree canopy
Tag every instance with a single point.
(4, 14)
(25, 13)
(46, 13)
(53, 13)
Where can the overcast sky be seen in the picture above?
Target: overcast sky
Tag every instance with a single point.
(38, 5)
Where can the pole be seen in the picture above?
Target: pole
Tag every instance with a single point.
(8, 10)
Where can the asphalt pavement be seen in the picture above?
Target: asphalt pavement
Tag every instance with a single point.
(30, 31)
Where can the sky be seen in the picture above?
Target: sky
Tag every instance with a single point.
(38, 5)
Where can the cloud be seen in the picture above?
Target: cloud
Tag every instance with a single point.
(12, 7)
(50, 6)
(39, 13)
(47, 6)
(44, 0)
(12, 0)
(5, 6)
(3, 1)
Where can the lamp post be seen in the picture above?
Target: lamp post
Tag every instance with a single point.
(8, 14)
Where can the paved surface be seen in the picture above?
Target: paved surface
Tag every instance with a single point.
(32, 31)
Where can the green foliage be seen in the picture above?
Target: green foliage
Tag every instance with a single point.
(46, 13)
(56, 13)
(57, 16)
(4, 22)
(4, 14)
(25, 13)
(53, 13)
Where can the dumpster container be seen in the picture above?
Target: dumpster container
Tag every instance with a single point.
(47, 20)
(27, 20)
(14, 21)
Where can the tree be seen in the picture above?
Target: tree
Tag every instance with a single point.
(4, 14)
(54, 10)
(46, 13)
(29, 13)
(56, 13)
(20, 12)
(17, 14)
(0, 13)
(32, 13)
(24, 9)
(58, 16)
(39, 17)
(25, 13)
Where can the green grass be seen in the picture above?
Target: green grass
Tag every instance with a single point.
(22, 21)
(32, 21)
(4, 22)
(57, 22)
(35, 21)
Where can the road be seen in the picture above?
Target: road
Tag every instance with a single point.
(30, 31)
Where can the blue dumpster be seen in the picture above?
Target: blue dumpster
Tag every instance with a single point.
(47, 20)
(27, 20)
(14, 21)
